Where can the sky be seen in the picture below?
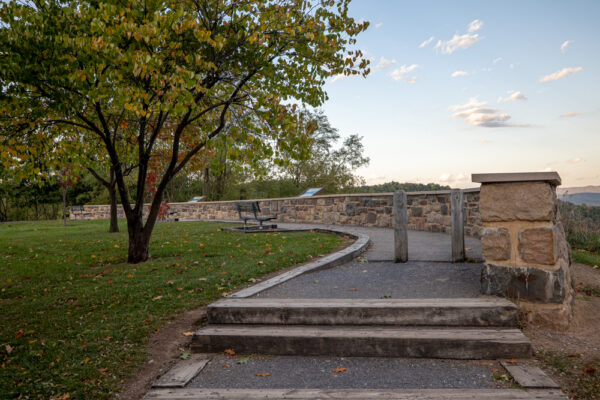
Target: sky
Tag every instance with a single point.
(468, 87)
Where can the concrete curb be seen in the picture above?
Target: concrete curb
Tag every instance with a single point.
(329, 261)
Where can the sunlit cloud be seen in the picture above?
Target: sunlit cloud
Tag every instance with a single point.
(460, 41)
(575, 160)
(563, 47)
(560, 74)
(338, 77)
(399, 74)
(475, 25)
(569, 114)
(497, 60)
(378, 25)
(485, 141)
(513, 96)
(456, 74)
(383, 64)
(426, 42)
(475, 114)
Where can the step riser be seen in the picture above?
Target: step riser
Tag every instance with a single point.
(363, 347)
(463, 316)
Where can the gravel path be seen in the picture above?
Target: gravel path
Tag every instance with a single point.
(361, 373)
(414, 279)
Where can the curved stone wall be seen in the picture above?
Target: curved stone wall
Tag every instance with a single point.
(427, 211)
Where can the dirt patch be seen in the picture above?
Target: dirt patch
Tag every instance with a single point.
(586, 276)
(571, 357)
(164, 348)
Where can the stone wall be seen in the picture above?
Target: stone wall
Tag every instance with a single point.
(428, 211)
(527, 257)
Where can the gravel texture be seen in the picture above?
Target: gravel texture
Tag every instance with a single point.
(361, 373)
(356, 280)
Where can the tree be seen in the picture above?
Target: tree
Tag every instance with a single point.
(66, 179)
(170, 72)
(325, 165)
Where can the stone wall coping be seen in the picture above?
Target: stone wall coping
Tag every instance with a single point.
(551, 177)
(324, 196)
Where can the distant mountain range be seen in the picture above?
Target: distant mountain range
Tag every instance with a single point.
(589, 195)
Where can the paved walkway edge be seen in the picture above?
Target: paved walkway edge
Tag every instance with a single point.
(329, 261)
(400, 394)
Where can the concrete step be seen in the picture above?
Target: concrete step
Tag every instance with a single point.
(483, 311)
(396, 394)
(365, 341)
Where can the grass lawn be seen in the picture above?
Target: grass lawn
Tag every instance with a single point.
(586, 257)
(75, 317)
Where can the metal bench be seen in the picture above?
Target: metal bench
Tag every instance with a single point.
(79, 210)
(250, 210)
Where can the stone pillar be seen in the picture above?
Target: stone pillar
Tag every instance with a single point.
(527, 257)
(400, 227)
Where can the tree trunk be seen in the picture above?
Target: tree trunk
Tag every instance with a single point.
(112, 194)
(64, 198)
(114, 222)
(139, 242)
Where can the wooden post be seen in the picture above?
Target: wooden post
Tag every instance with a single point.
(400, 227)
(458, 225)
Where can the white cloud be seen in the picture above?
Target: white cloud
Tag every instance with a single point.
(560, 74)
(459, 73)
(399, 74)
(475, 25)
(496, 60)
(512, 66)
(383, 64)
(563, 47)
(378, 25)
(569, 114)
(474, 113)
(575, 160)
(485, 141)
(425, 43)
(514, 96)
(338, 77)
(472, 103)
(451, 179)
(457, 42)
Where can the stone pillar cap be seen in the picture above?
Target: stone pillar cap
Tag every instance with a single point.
(551, 177)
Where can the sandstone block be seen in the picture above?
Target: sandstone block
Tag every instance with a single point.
(495, 244)
(523, 201)
(537, 246)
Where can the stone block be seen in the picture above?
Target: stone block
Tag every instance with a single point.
(371, 218)
(523, 201)
(416, 211)
(524, 283)
(495, 244)
(537, 246)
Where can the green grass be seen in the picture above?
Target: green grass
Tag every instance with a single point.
(585, 257)
(75, 317)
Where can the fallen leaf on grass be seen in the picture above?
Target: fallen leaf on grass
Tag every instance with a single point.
(338, 370)
(352, 289)
(243, 360)
(9, 348)
(189, 333)
(263, 374)
(229, 352)
(185, 356)
(590, 370)
(156, 298)
(63, 397)
(20, 334)
(573, 355)
(226, 366)
(512, 361)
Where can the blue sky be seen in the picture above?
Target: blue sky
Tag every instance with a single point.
(525, 95)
